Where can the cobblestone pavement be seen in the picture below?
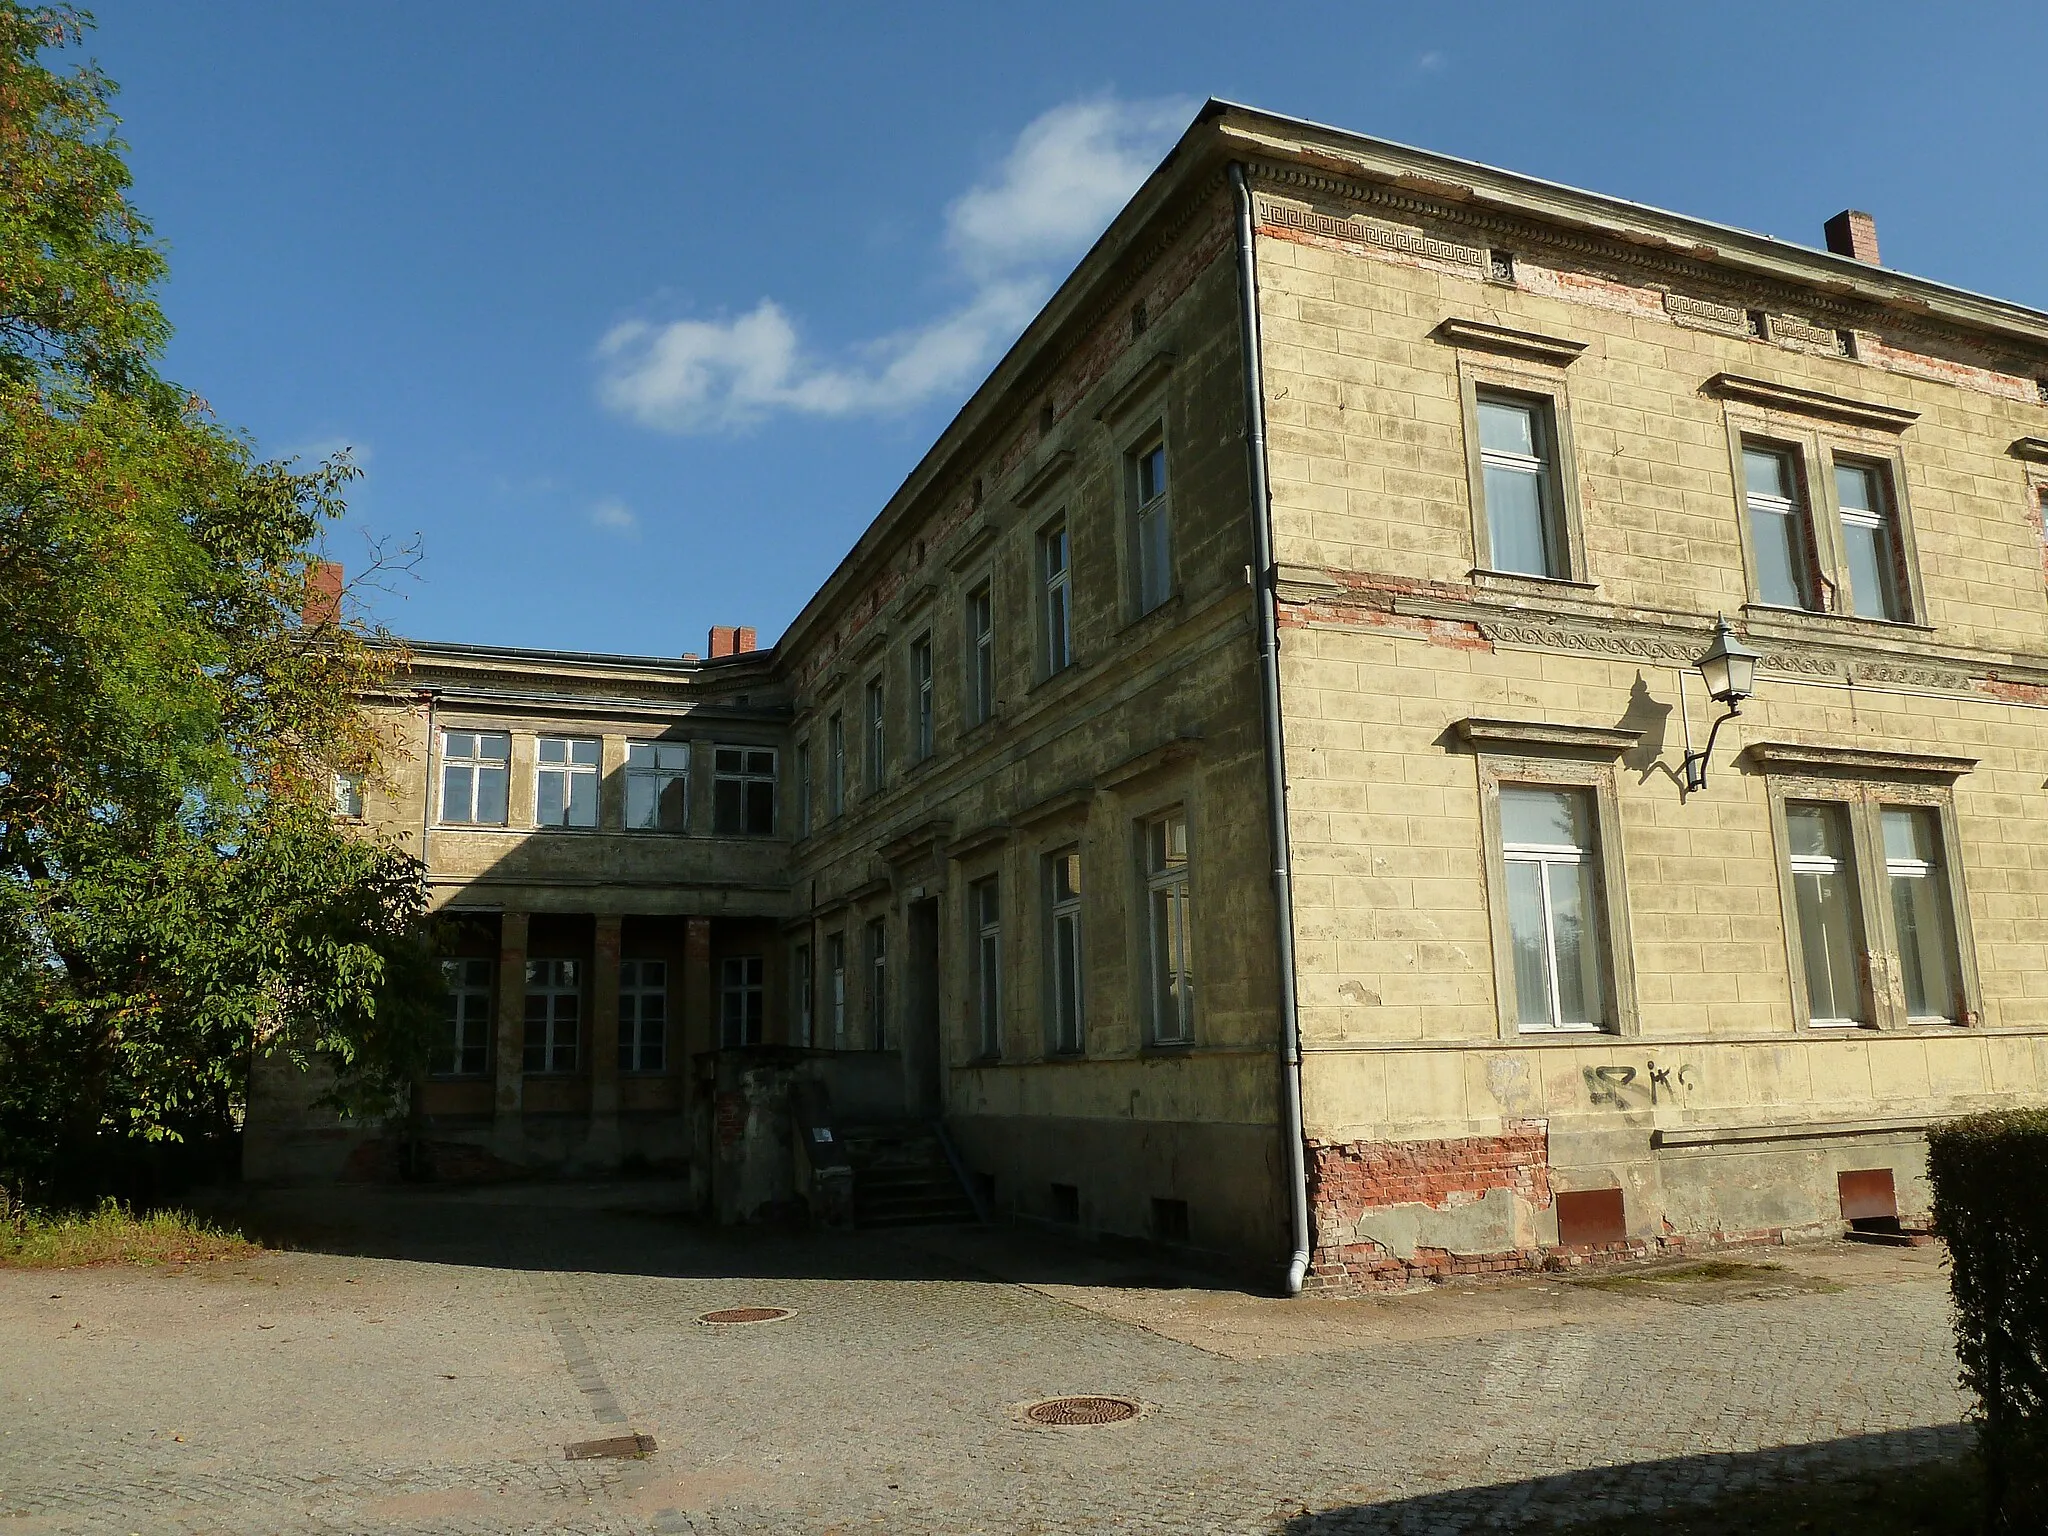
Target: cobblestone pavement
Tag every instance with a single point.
(421, 1364)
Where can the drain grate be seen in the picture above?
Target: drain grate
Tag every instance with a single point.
(1082, 1410)
(731, 1315)
(619, 1446)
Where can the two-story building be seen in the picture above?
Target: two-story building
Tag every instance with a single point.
(1250, 775)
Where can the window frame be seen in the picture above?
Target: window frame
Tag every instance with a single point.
(551, 1046)
(924, 697)
(1614, 931)
(1863, 799)
(1546, 388)
(1055, 589)
(803, 988)
(835, 986)
(1153, 439)
(1153, 882)
(748, 986)
(978, 653)
(457, 989)
(746, 777)
(874, 736)
(476, 763)
(835, 765)
(571, 771)
(1065, 940)
(660, 776)
(800, 772)
(632, 1030)
(349, 793)
(984, 929)
(875, 955)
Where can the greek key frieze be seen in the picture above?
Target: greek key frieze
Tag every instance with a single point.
(1797, 333)
(1708, 316)
(1389, 237)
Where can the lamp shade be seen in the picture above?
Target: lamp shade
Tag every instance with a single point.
(1728, 666)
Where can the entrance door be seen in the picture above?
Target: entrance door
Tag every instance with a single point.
(923, 1057)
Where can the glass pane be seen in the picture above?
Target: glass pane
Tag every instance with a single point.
(725, 806)
(1166, 1001)
(1546, 818)
(1856, 488)
(459, 744)
(673, 804)
(1912, 832)
(761, 762)
(1151, 474)
(583, 800)
(728, 760)
(1507, 427)
(552, 751)
(548, 810)
(1066, 877)
(639, 754)
(496, 746)
(1155, 559)
(760, 809)
(642, 801)
(1767, 472)
(455, 789)
(490, 795)
(1871, 583)
(584, 752)
(1814, 831)
(1926, 948)
(1573, 916)
(1780, 565)
(1828, 939)
(1527, 940)
(1515, 521)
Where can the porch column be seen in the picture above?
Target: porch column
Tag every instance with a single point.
(508, 1129)
(700, 1022)
(603, 1149)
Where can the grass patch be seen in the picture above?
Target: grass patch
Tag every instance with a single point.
(1943, 1498)
(1705, 1272)
(114, 1234)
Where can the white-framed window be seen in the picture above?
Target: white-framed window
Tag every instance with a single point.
(658, 785)
(1554, 923)
(1824, 894)
(462, 1046)
(981, 655)
(1780, 529)
(803, 789)
(874, 735)
(1057, 594)
(1064, 990)
(878, 983)
(476, 768)
(554, 1014)
(1151, 525)
(1170, 962)
(643, 1015)
(348, 796)
(921, 688)
(1870, 538)
(985, 917)
(1519, 474)
(565, 781)
(743, 791)
(1923, 920)
(835, 765)
(742, 1000)
(803, 987)
(835, 988)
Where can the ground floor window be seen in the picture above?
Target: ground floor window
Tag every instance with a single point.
(643, 1015)
(554, 1014)
(1172, 964)
(985, 909)
(742, 1000)
(1063, 906)
(1553, 898)
(462, 1047)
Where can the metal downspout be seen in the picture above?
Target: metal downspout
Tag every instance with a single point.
(1264, 580)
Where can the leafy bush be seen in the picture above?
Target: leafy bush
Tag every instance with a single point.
(1988, 1208)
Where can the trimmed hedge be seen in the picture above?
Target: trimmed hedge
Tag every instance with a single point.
(1990, 1177)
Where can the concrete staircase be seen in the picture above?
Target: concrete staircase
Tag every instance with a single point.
(903, 1178)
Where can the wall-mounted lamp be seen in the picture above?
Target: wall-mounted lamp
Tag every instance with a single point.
(1729, 668)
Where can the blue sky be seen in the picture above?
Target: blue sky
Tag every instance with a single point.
(636, 313)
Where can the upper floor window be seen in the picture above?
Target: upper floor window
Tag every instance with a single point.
(742, 1000)
(1553, 902)
(1870, 542)
(874, 739)
(835, 765)
(658, 785)
(1171, 958)
(643, 1015)
(1056, 589)
(554, 1012)
(1152, 526)
(1063, 914)
(348, 796)
(476, 767)
(1520, 483)
(878, 983)
(743, 791)
(921, 686)
(803, 789)
(565, 789)
(1780, 528)
(985, 921)
(462, 1046)
(981, 655)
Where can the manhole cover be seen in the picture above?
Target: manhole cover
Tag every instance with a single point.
(746, 1315)
(1082, 1410)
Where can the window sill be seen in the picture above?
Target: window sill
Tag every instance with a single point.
(1523, 581)
(1161, 615)
(1167, 1047)
(1812, 620)
(1566, 1033)
(1070, 670)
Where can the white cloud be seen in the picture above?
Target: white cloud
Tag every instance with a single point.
(1430, 62)
(1008, 237)
(614, 516)
(319, 450)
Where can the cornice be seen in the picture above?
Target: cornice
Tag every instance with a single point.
(1810, 402)
(1037, 480)
(2032, 449)
(1545, 736)
(1126, 396)
(1485, 337)
(1854, 762)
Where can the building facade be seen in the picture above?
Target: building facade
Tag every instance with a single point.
(1386, 502)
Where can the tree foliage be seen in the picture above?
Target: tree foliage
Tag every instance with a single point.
(174, 892)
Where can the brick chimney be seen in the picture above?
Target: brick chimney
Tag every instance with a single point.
(729, 641)
(1853, 233)
(322, 608)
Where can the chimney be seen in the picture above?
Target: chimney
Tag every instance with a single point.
(728, 641)
(743, 641)
(1853, 233)
(322, 608)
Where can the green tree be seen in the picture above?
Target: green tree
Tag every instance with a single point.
(174, 892)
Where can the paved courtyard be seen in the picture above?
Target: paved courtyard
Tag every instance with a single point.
(420, 1362)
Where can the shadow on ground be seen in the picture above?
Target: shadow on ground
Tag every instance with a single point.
(643, 1228)
(1653, 1495)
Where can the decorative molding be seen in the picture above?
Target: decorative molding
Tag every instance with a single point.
(1388, 237)
(1144, 765)
(1704, 315)
(1132, 393)
(1791, 1130)
(902, 848)
(1071, 801)
(1489, 735)
(973, 544)
(1909, 676)
(1037, 482)
(1306, 584)
(2034, 449)
(1638, 645)
(994, 835)
(1556, 350)
(1811, 402)
(1854, 762)
(867, 890)
(1790, 331)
